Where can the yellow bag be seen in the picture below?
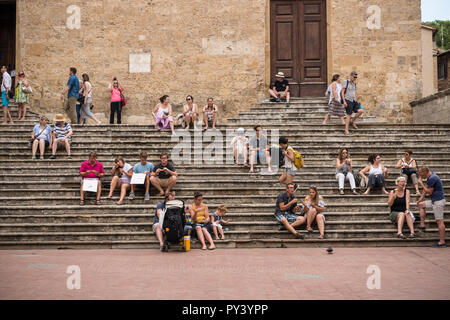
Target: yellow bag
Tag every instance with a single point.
(298, 159)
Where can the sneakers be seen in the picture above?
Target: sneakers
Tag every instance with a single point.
(131, 196)
(278, 100)
(287, 105)
(146, 197)
(69, 157)
(33, 158)
(41, 157)
(52, 156)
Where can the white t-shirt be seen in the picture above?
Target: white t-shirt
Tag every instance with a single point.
(125, 178)
(241, 143)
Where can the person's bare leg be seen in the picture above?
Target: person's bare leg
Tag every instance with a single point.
(205, 120)
(123, 192)
(96, 120)
(171, 184)
(9, 116)
(236, 158)
(216, 235)
(269, 159)
(310, 216)
(245, 157)
(41, 147)
(81, 193)
(288, 226)
(156, 184)
(320, 224)
(24, 112)
(358, 114)
(19, 111)
(159, 236)
(347, 123)
(187, 118)
(172, 127)
(410, 223)
(298, 222)
(367, 191)
(114, 183)
(400, 222)
(282, 178)
(147, 184)
(5, 115)
(252, 159)
(214, 119)
(54, 146)
(289, 178)
(194, 120)
(288, 96)
(208, 238)
(67, 144)
(325, 120)
(441, 227)
(99, 190)
(200, 236)
(34, 148)
(272, 93)
(422, 213)
(222, 234)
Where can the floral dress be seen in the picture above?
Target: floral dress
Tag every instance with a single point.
(20, 97)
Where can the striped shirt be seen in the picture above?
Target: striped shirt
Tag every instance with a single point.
(61, 131)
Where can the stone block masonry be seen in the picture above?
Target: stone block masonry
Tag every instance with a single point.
(210, 48)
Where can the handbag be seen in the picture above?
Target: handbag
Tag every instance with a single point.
(27, 89)
(409, 171)
(123, 101)
(10, 94)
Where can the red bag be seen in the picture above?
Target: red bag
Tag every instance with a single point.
(123, 102)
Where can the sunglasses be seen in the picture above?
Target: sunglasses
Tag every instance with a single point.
(188, 99)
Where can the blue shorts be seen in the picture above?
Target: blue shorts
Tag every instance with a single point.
(290, 171)
(290, 217)
(5, 100)
(261, 156)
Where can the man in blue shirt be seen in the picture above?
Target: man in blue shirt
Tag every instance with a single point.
(435, 189)
(72, 90)
(142, 167)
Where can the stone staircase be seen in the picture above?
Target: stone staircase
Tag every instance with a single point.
(39, 199)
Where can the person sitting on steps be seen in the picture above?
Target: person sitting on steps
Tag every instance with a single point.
(210, 114)
(289, 212)
(201, 219)
(377, 173)
(62, 133)
(399, 203)
(280, 89)
(122, 173)
(409, 169)
(240, 144)
(164, 175)
(190, 111)
(91, 169)
(344, 171)
(142, 167)
(314, 208)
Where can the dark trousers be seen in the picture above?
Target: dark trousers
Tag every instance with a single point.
(116, 107)
(376, 180)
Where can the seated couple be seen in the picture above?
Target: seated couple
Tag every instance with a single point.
(290, 213)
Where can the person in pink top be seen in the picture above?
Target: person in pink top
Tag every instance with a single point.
(116, 101)
(91, 169)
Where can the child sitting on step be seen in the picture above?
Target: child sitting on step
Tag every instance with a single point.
(217, 221)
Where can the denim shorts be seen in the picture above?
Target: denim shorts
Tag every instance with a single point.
(290, 171)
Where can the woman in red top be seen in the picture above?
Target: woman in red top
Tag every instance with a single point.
(116, 102)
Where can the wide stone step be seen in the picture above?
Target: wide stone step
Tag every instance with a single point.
(235, 218)
(431, 233)
(128, 208)
(128, 226)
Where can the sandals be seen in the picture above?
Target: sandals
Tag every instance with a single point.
(310, 230)
(81, 202)
(412, 236)
(341, 192)
(439, 245)
(355, 192)
(98, 202)
(321, 237)
(298, 235)
(401, 236)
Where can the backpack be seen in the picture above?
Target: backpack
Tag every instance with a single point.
(298, 159)
(174, 221)
(345, 89)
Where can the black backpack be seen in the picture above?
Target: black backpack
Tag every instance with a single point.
(174, 221)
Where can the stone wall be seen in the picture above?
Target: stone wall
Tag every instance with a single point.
(432, 109)
(388, 59)
(210, 48)
(203, 48)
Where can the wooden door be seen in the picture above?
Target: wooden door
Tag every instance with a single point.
(8, 35)
(298, 45)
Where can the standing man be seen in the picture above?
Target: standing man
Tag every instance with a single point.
(259, 149)
(6, 87)
(349, 98)
(72, 89)
(437, 203)
(280, 89)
